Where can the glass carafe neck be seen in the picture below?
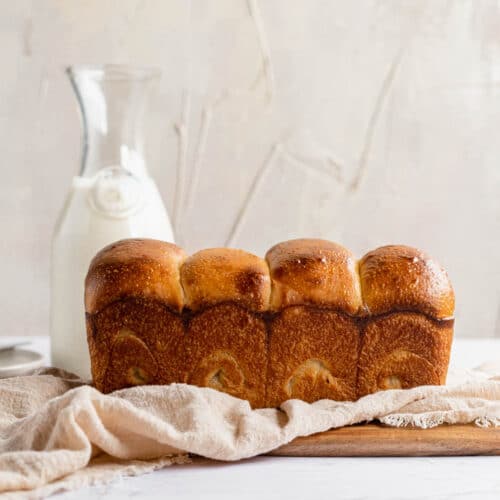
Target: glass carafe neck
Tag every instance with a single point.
(112, 100)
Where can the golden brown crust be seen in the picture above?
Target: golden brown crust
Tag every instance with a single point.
(313, 355)
(220, 275)
(401, 278)
(316, 272)
(140, 268)
(302, 325)
(226, 350)
(403, 350)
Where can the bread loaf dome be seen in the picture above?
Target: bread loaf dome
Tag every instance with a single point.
(317, 272)
(407, 338)
(401, 278)
(308, 322)
(225, 343)
(140, 268)
(313, 339)
(220, 275)
(132, 298)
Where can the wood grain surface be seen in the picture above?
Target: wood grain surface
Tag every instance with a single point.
(376, 440)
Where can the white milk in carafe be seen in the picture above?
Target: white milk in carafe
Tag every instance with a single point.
(112, 205)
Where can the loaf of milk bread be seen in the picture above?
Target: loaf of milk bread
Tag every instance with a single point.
(307, 322)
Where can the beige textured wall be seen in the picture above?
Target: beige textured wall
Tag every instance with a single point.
(366, 122)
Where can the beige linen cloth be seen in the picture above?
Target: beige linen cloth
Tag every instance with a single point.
(57, 433)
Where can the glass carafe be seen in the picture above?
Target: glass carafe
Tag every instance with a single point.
(112, 198)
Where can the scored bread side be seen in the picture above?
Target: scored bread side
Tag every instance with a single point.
(403, 350)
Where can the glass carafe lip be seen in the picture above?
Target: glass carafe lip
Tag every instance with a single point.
(113, 72)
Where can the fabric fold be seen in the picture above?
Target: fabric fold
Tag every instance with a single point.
(53, 425)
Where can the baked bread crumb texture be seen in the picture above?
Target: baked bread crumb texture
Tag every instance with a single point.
(307, 322)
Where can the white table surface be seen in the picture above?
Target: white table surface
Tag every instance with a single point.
(307, 478)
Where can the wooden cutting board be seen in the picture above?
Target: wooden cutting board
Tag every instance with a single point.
(377, 440)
